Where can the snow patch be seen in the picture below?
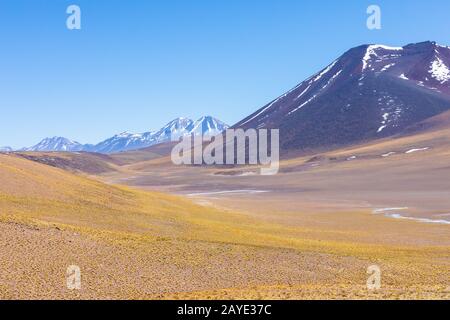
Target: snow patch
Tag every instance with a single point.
(424, 220)
(268, 107)
(303, 92)
(439, 71)
(226, 192)
(303, 104)
(371, 51)
(324, 87)
(331, 79)
(387, 67)
(383, 210)
(383, 123)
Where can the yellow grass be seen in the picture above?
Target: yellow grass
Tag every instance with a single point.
(180, 234)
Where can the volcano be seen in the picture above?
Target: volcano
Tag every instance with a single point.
(370, 92)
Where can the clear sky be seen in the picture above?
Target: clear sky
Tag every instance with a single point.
(137, 64)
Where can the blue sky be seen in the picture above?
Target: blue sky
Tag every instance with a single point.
(137, 64)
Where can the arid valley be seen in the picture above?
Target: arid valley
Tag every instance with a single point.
(224, 159)
(141, 228)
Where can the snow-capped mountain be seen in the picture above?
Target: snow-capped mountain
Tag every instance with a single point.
(6, 149)
(120, 142)
(125, 141)
(173, 130)
(56, 144)
(371, 91)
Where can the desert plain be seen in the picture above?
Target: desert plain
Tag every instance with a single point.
(140, 227)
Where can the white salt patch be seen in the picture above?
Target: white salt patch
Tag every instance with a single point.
(424, 220)
(387, 67)
(226, 192)
(388, 154)
(383, 210)
(416, 150)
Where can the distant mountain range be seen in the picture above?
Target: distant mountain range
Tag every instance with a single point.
(6, 149)
(370, 92)
(56, 144)
(126, 141)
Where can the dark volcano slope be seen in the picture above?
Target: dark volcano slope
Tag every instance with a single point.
(370, 92)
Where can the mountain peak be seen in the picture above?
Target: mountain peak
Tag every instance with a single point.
(430, 69)
(56, 144)
(423, 44)
(208, 126)
(206, 118)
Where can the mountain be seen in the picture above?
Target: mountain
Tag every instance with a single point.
(370, 92)
(6, 149)
(175, 129)
(56, 144)
(120, 142)
(126, 141)
(208, 126)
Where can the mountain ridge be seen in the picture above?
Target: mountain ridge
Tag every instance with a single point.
(370, 92)
(127, 141)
